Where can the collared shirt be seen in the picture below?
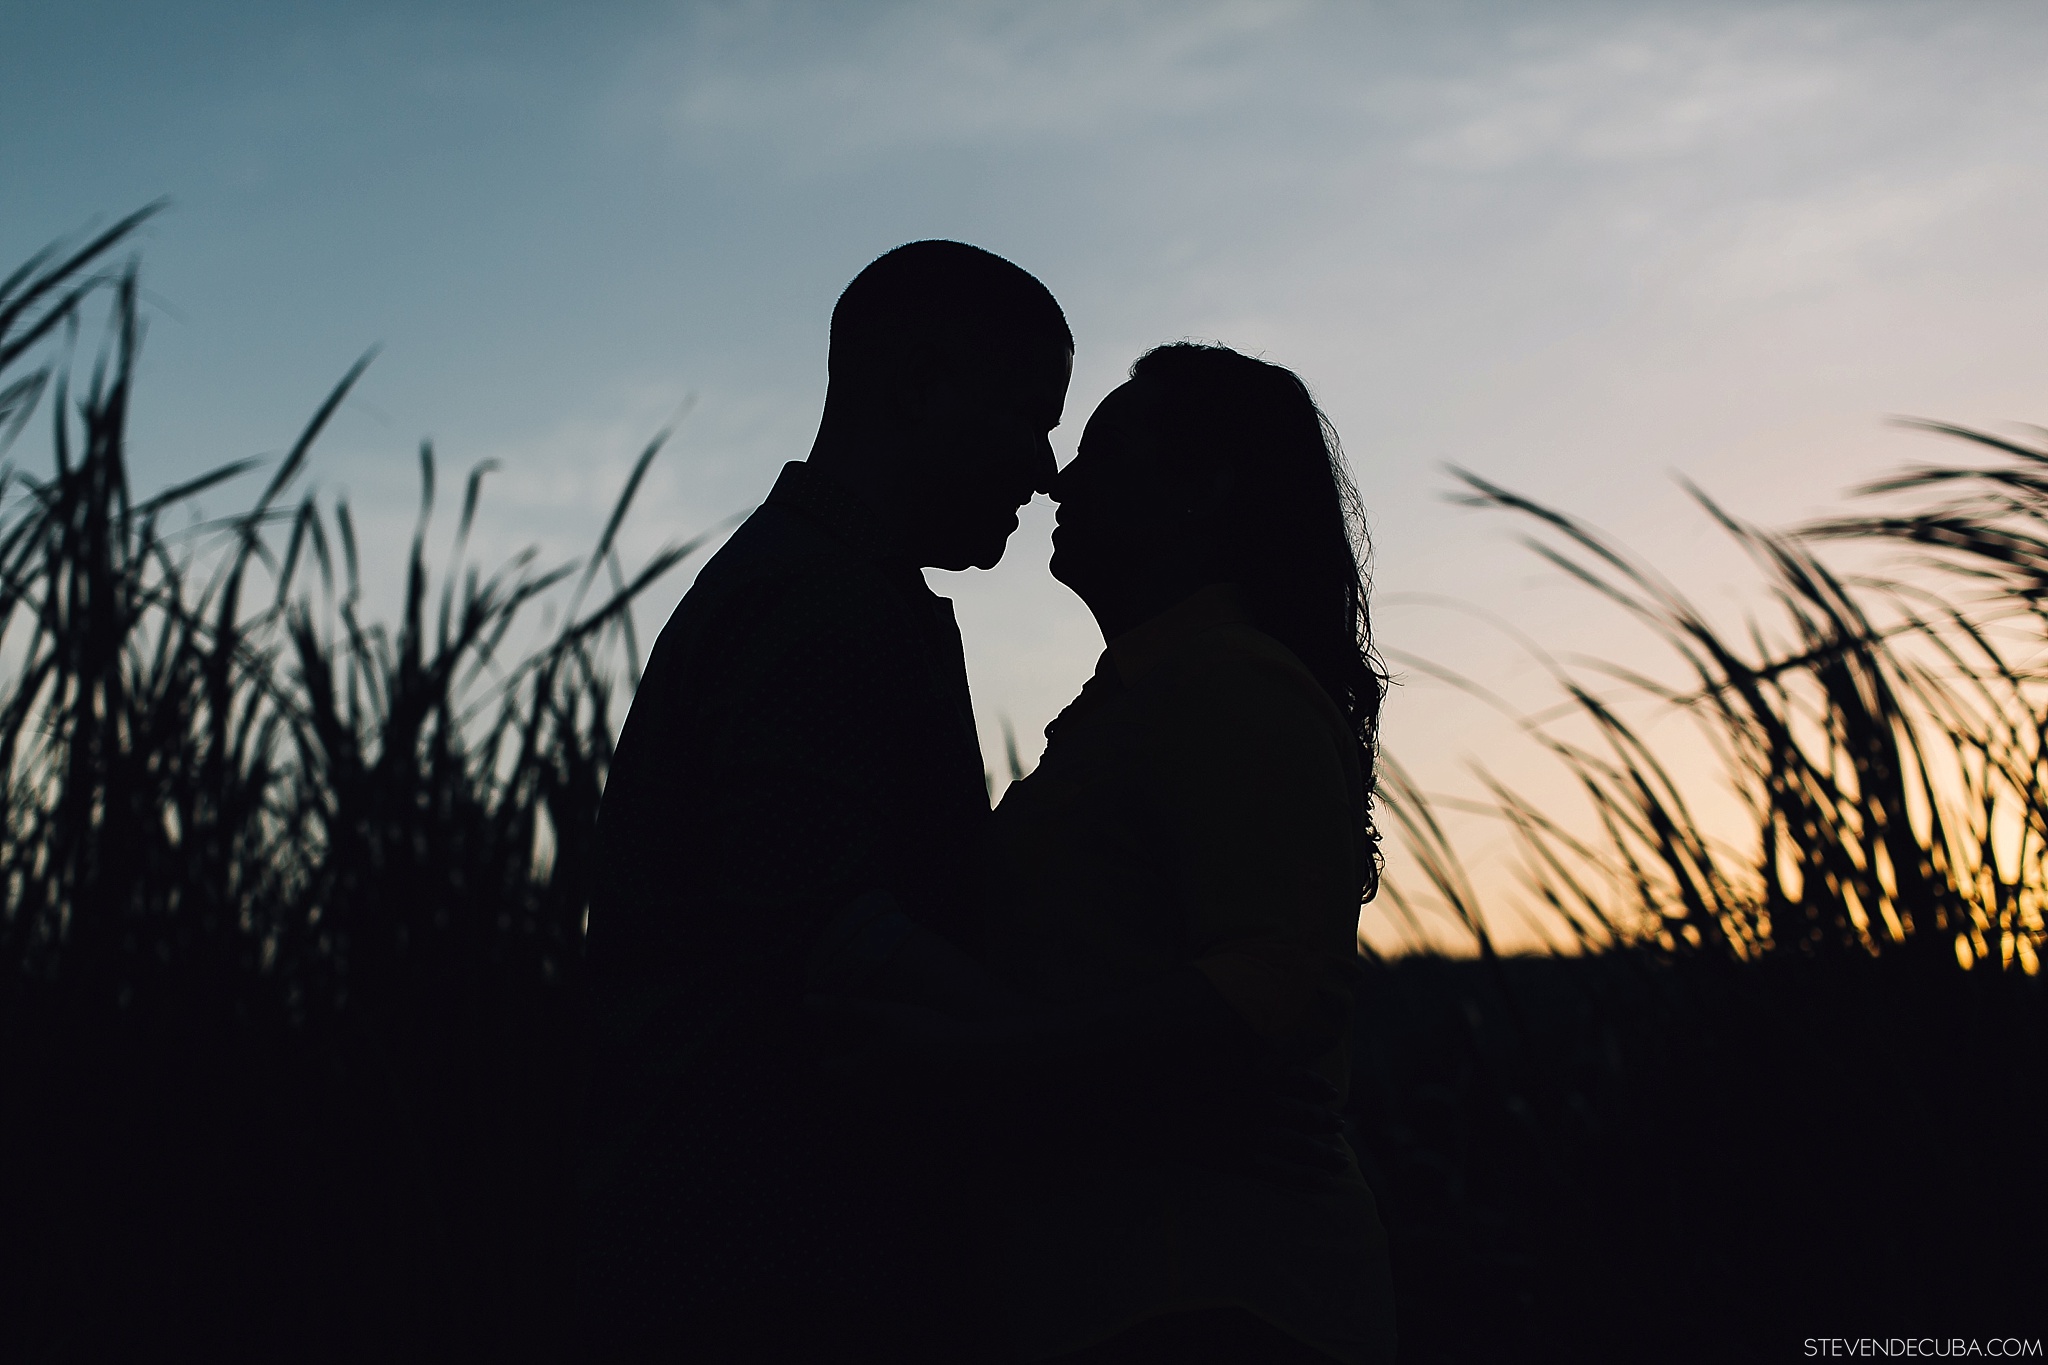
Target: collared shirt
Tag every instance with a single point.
(802, 735)
(1199, 803)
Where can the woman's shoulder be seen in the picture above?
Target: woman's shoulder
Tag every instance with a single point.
(1234, 703)
(1234, 667)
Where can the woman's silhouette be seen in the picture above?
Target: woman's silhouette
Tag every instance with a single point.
(1176, 896)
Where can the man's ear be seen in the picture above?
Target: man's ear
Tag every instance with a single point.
(899, 399)
(934, 385)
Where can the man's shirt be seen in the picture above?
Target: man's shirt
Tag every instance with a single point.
(802, 735)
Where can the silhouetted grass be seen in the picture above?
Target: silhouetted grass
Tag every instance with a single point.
(253, 837)
(1884, 743)
(1765, 1096)
(205, 786)
(292, 906)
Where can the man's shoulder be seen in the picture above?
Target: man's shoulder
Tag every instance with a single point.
(775, 542)
(781, 580)
(778, 552)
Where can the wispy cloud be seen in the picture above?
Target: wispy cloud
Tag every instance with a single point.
(1848, 236)
(1658, 86)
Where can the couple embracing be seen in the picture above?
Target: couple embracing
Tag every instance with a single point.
(879, 1074)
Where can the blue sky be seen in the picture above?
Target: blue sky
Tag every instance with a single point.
(1577, 247)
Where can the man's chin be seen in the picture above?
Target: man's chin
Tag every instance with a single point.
(969, 557)
(982, 552)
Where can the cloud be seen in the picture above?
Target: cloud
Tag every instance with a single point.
(1864, 234)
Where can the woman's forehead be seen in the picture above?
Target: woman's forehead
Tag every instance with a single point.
(1127, 405)
(1122, 419)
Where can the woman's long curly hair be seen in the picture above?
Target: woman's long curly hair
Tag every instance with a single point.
(1302, 557)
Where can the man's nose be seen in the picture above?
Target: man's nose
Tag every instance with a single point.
(1047, 476)
(1054, 481)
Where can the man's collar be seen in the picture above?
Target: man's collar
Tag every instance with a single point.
(838, 506)
(1144, 647)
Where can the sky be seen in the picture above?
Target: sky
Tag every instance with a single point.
(1582, 249)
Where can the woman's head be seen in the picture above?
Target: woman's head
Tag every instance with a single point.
(1210, 466)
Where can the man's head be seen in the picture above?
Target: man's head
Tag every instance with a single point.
(949, 366)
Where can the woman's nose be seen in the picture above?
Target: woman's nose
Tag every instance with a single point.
(1060, 485)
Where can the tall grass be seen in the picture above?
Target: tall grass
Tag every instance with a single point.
(214, 771)
(1790, 1072)
(289, 896)
(1883, 739)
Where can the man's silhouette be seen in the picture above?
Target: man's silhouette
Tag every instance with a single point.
(803, 735)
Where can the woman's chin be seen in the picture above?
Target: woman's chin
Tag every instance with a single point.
(1068, 567)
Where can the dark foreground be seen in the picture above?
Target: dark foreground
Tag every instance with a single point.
(1577, 1160)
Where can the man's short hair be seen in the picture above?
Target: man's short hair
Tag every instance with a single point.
(964, 301)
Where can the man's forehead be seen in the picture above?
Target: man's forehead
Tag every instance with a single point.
(1034, 383)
